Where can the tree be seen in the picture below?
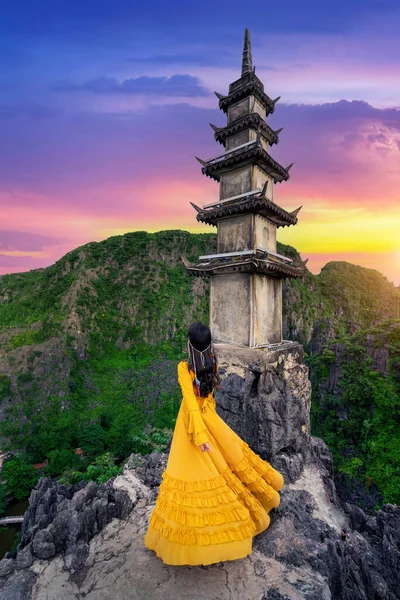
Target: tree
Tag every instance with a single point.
(3, 498)
(20, 475)
(91, 439)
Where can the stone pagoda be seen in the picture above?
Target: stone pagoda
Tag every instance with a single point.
(247, 272)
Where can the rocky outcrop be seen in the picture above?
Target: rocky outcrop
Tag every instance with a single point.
(377, 347)
(265, 397)
(314, 549)
(64, 519)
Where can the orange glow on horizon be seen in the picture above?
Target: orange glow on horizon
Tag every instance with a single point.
(329, 228)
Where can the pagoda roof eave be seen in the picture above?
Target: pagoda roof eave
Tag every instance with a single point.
(246, 265)
(252, 88)
(248, 155)
(245, 122)
(259, 204)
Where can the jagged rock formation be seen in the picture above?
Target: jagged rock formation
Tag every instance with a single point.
(315, 549)
(266, 397)
(62, 520)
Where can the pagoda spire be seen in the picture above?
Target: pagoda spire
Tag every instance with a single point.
(247, 62)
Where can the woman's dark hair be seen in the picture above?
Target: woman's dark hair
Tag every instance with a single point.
(201, 358)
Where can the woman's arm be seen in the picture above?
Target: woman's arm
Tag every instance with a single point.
(196, 428)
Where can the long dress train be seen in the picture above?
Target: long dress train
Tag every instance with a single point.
(210, 504)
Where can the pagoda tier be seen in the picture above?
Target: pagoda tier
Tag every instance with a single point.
(258, 261)
(250, 203)
(250, 153)
(252, 120)
(249, 85)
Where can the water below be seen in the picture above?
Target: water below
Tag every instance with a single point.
(7, 536)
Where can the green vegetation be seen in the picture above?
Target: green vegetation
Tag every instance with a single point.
(360, 417)
(4, 386)
(20, 475)
(114, 315)
(130, 406)
(3, 498)
(102, 469)
(363, 296)
(89, 348)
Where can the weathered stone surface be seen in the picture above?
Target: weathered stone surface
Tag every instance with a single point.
(350, 565)
(148, 468)
(7, 565)
(43, 544)
(142, 475)
(17, 586)
(265, 397)
(24, 557)
(65, 518)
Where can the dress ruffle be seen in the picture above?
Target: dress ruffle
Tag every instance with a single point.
(257, 475)
(192, 486)
(263, 468)
(233, 532)
(237, 512)
(185, 510)
(173, 553)
(199, 500)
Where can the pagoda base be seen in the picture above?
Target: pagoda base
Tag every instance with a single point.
(246, 309)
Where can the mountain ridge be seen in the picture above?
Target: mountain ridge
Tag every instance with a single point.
(87, 345)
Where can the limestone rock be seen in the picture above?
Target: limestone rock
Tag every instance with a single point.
(24, 557)
(265, 397)
(65, 518)
(17, 586)
(6, 566)
(313, 550)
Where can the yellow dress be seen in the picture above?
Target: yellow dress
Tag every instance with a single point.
(210, 504)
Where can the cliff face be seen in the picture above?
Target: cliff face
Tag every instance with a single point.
(343, 299)
(266, 398)
(316, 547)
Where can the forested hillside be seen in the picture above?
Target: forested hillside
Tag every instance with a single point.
(88, 347)
(356, 407)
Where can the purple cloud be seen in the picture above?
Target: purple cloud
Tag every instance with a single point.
(333, 139)
(24, 241)
(176, 85)
(12, 264)
(32, 110)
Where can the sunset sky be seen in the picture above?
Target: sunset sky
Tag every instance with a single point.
(104, 104)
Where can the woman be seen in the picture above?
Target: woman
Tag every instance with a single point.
(215, 493)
